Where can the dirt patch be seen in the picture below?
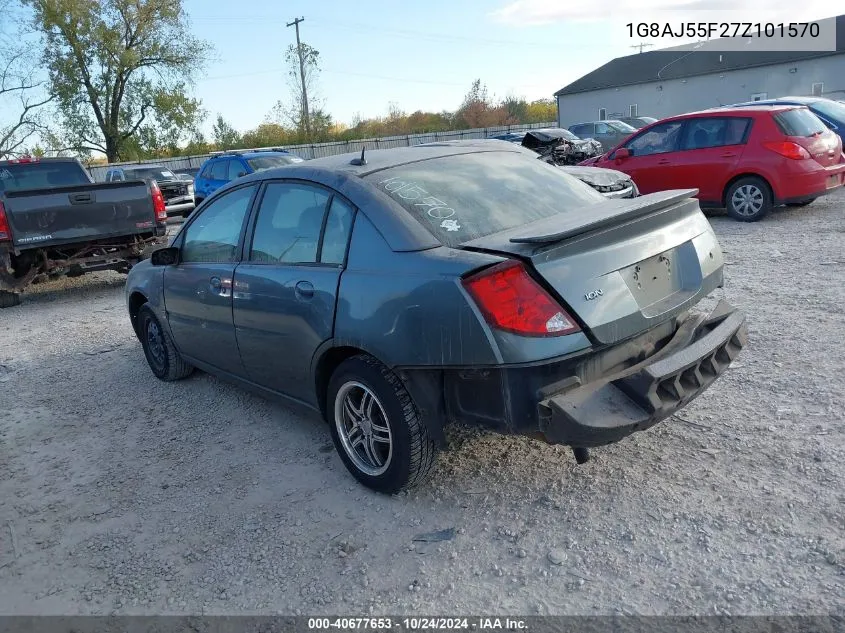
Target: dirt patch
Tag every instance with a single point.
(119, 493)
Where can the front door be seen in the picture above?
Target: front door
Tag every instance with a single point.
(198, 290)
(652, 160)
(286, 288)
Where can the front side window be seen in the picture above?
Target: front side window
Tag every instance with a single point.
(214, 235)
(289, 222)
(236, 169)
(602, 128)
(659, 139)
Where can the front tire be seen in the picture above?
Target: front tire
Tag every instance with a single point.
(376, 427)
(165, 362)
(9, 299)
(749, 199)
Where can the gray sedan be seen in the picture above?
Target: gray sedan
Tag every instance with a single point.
(454, 281)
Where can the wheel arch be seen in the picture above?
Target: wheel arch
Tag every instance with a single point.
(424, 386)
(749, 174)
(136, 300)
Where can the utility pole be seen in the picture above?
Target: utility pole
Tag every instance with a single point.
(306, 117)
(640, 46)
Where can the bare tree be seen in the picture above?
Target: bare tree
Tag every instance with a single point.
(302, 80)
(21, 93)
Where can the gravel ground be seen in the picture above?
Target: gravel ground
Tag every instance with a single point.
(119, 493)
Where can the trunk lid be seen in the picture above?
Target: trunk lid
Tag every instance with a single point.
(824, 147)
(622, 266)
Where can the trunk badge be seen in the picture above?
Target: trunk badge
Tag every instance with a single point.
(594, 294)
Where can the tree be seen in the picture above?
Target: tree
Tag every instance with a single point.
(478, 109)
(295, 110)
(224, 135)
(119, 70)
(20, 94)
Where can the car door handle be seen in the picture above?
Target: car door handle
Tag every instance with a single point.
(663, 161)
(728, 155)
(304, 290)
(220, 287)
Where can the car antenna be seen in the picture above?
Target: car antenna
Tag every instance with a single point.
(360, 161)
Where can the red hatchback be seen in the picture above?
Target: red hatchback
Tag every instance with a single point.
(744, 159)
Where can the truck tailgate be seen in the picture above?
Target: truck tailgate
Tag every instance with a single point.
(61, 215)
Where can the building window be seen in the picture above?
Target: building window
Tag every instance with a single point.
(759, 96)
(602, 114)
(818, 89)
(632, 110)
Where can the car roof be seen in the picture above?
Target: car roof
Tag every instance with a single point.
(379, 159)
(142, 166)
(733, 110)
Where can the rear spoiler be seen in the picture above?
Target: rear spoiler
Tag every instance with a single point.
(604, 214)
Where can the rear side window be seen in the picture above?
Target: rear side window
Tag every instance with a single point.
(290, 219)
(219, 170)
(16, 177)
(701, 133)
(463, 197)
(799, 122)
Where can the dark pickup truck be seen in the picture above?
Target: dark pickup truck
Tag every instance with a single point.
(54, 220)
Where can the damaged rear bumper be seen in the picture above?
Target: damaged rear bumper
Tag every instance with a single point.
(612, 408)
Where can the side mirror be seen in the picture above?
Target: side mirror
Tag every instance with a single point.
(622, 153)
(241, 174)
(167, 256)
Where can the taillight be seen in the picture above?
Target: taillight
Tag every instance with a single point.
(512, 301)
(24, 159)
(788, 149)
(158, 203)
(5, 231)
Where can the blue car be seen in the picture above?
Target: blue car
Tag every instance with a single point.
(832, 113)
(228, 166)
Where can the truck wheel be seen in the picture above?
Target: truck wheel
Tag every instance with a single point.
(749, 199)
(376, 427)
(161, 354)
(9, 299)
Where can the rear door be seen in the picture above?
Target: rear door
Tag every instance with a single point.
(709, 152)
(198, 291)
(653, 156)
(286, 288)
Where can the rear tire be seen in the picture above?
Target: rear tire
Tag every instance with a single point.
(749, 199)
(9, 299)
(165, 362)
(803, 203)
(376, 427)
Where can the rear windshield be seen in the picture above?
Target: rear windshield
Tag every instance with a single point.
(620, 126)
(467, 196)
(799, 122)
(150, 173)
(16, 177)
(831, 109)
(270, 162)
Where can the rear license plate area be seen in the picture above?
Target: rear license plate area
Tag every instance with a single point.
(834, 181)
(653, 279)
